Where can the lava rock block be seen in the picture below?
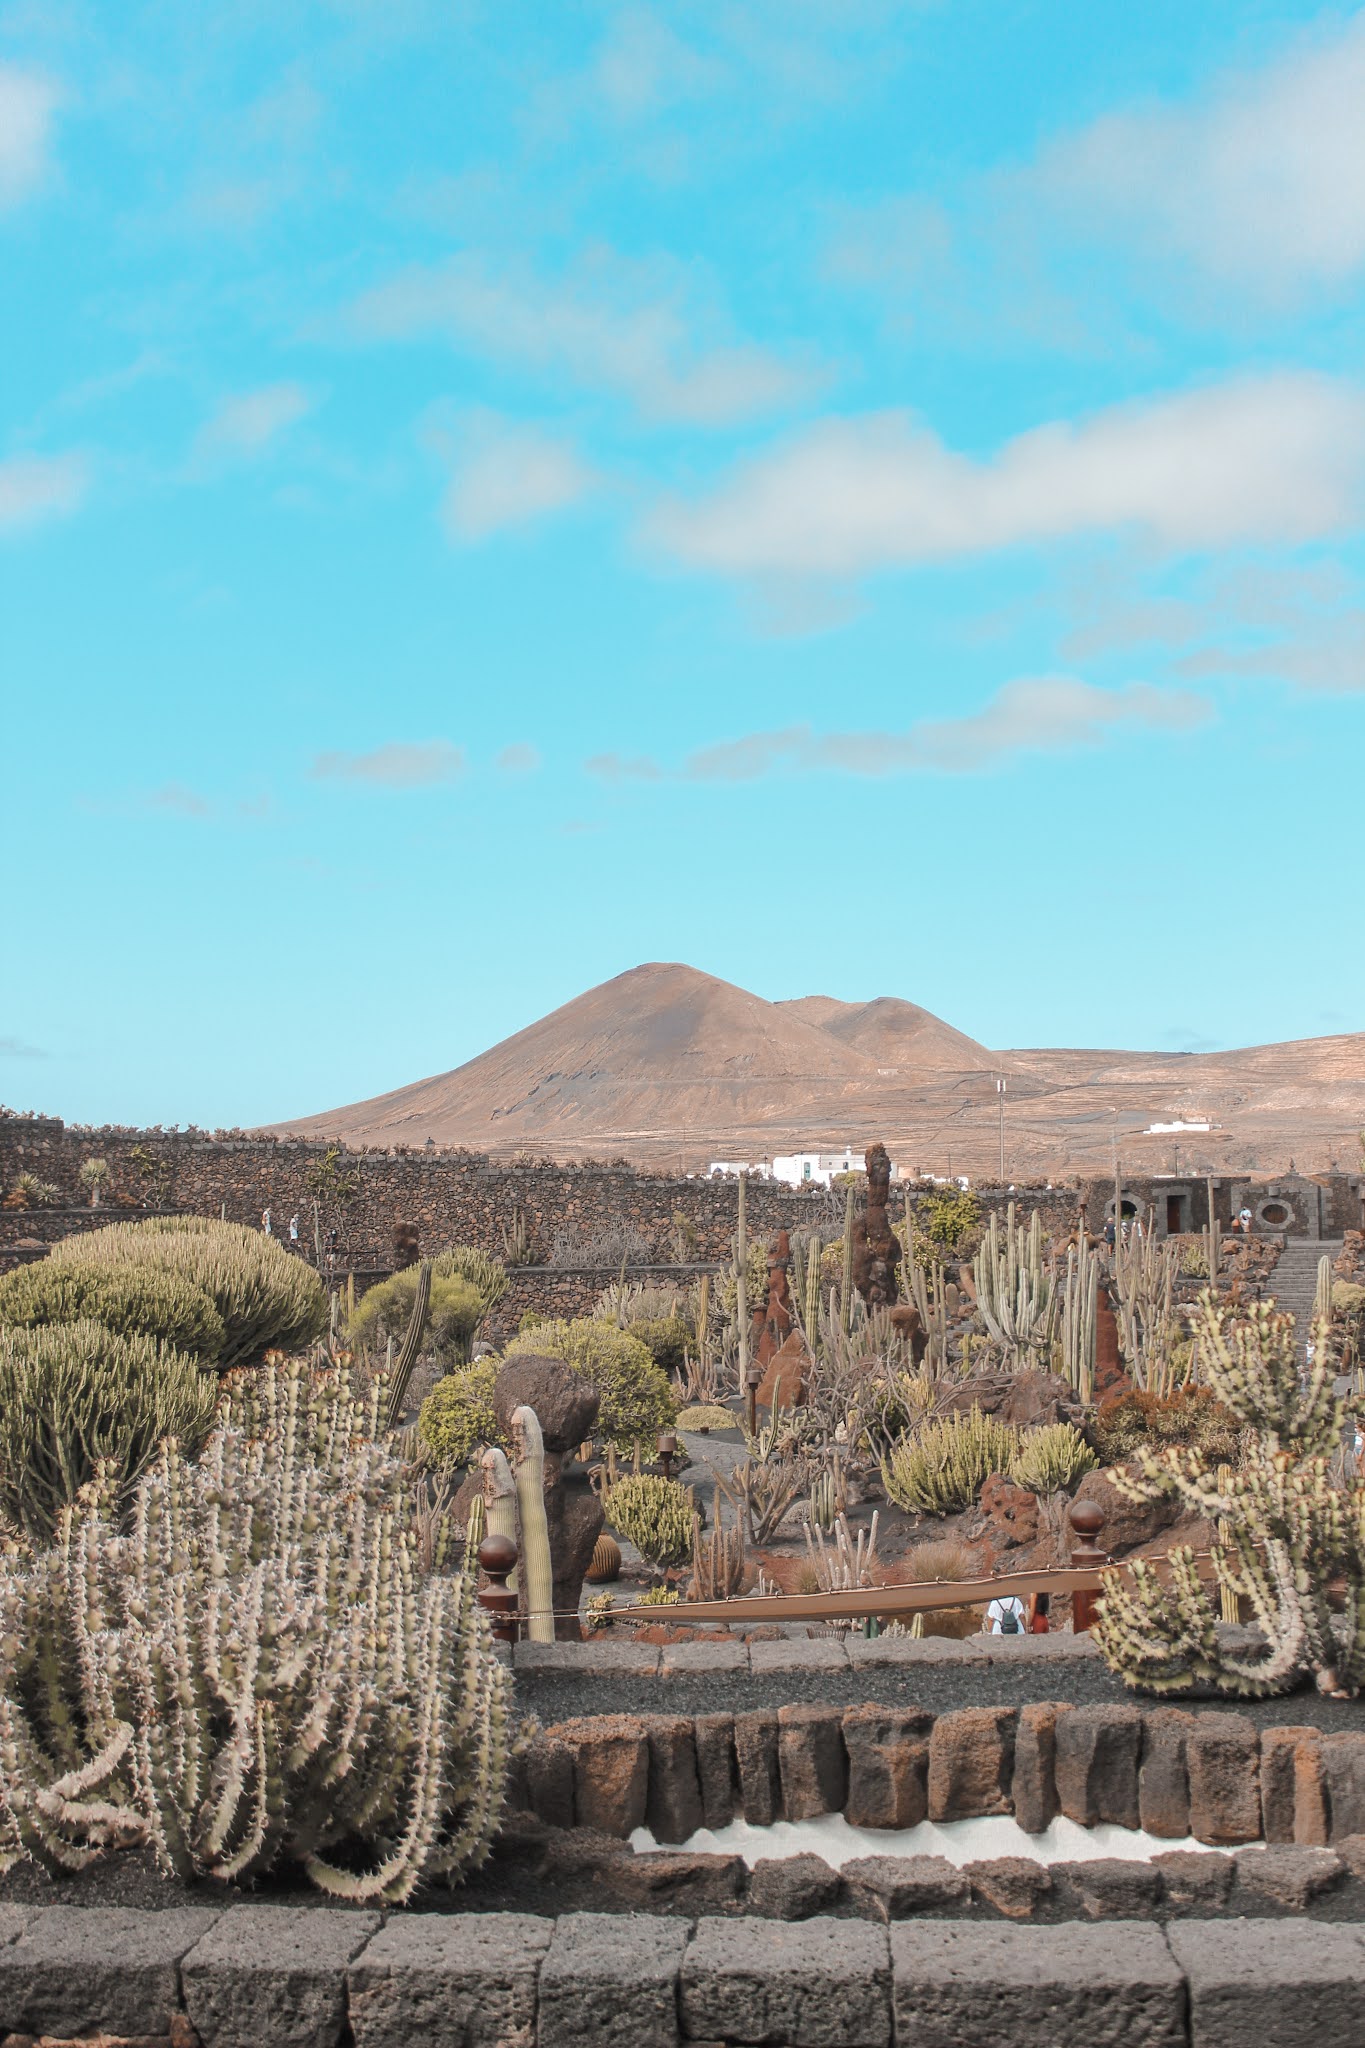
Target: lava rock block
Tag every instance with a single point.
(565, 1403)
(611, 1770)
(989, 1986)
(1284, 1877)
(1293, 1787)
(1033, 1789)
(673, 1806)
(821, 1984)
(971, 1763)
(1014, 1886)
(673, 1880)
(792, 1887)
(714, 1737)
(888, 1766)
(273, 1973)
(895, 1887)
(811, 1765)
(1194, 1880)
(1343, 1769)
(1111, 1887)
(1163, 1773)
(548, 1779)
(610, 1980)
(1299, 1990)
(78, 1970)
(1097, 1765)
(449, 1980)
(1223, 1753)
(760, 1780)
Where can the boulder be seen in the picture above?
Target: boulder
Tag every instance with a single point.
(1034, 1786)
(1014, 1886)
(896, 1887)
(792, 1887)
(611, 1770)
(1127, 1523)
(1293, 1787)
(1024, 1399)
(1097, 1765)
(1343, 1764)
(565, 1403)
(673, 1804)
(1111, 1887)
(756, 1755)
(714, 1735)
(1284, 1876)
(1163, 1774)
(971, 1763)
(1010, 1516)
(1222, 1753)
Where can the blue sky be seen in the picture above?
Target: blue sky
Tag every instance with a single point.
(860, 498)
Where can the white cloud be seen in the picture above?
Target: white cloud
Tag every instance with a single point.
(506, 474)
(178, 801)
(38, 487)
(246, 424)
(1032, 714)
(519, 759)
(20, 1049)
(1278, 457)
(27, 104)
(1261, 182)
(401, 764)
(644, 332)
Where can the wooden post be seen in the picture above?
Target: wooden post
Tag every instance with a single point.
(497, 1558)
(1086, 1521)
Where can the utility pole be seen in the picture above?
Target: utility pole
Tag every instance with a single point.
(1000, 1098)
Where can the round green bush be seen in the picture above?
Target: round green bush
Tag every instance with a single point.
(268, 1298)
(637, 1400)
(667, 1339)
(488, 1277)
(456, 1309)
(73, 1395)
(654, 1514)
(457, 1415)
(129, 1300)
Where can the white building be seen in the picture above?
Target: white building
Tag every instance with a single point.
(818, 1169)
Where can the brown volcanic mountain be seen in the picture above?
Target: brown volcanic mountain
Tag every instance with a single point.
(666, 1065)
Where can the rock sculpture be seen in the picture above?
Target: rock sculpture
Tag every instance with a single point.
(876, 1251)
(565, 1405)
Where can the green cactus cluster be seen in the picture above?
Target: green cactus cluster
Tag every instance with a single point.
(258, 1670)
(1051, 1459)
(1286, 1530)
(131, 1301)
(1015, 1292)
(654, 1514)
(943, 1466)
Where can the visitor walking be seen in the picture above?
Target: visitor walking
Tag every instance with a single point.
(294, 1228)
(265, 1221)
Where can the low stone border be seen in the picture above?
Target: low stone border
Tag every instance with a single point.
(281, 1977)
(1215, 1776)
(725, 1657)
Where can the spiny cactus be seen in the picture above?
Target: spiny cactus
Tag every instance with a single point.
(1144, 1273)
(718, 1561)
(1051, 1458)
(1014, 1291)
(74, 1398)
(257, 1672)
(529, 1474)
(129, 1300)
(266, 1297)
(654, 1514)
(400, 1373)
(944, 1465)
(1080, 1307)
(1284, 1530)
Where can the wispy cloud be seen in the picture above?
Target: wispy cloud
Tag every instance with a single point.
(19, 1049)
(401, 764)
(38, 487)
(519, 759)
(177, 799)
(649, 333)
(1032, 714)
(248, 423)
(28, 102)
(509, 473)
(1260, 182)
(1279, 457)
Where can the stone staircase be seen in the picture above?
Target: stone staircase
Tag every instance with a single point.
(1294, 1281)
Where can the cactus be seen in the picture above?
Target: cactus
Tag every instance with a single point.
(846, 1283)
(1080, 1302)
(400, 1374)
(824, 1498)
(1213, 1244)
(742, 1283)
(1285, 1531)
(653, 1514)
(1014, 1294)
(929, 1293)
(1051, 1458)
(129, 1300)
(943, 1466)
(256, 1671)
(718, 1561)
(1148, 1328)
(850, 1565)
(535, 1526)
(1322, 1299)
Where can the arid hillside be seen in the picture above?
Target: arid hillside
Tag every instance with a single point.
(667, 1066)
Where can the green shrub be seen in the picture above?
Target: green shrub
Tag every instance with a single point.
(453, 1316)
(74, 1394)
(708, 1415)
(1192, 1417)
(1052, 1458)
(488, 1277)
(637, 1400)
(947, 1224)
(128, 1300)
(944, 1466)
(457, 1415)
(653, 1514)
(268, 1298)
(656, 1315)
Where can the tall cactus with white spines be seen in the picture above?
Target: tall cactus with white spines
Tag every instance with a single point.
(1285, 1530)
(1015, 1293)
(254, 1670)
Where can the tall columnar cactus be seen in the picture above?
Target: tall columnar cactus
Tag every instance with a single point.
(742, 1283)
(1285, 1531)
(1014, 1291)
(535, 1525)
(929, 1292)
(401, 1370)
(1146, 1312)
(1080, 1308)
(846, 1282)
(254, 1669)
(1322, 1299)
